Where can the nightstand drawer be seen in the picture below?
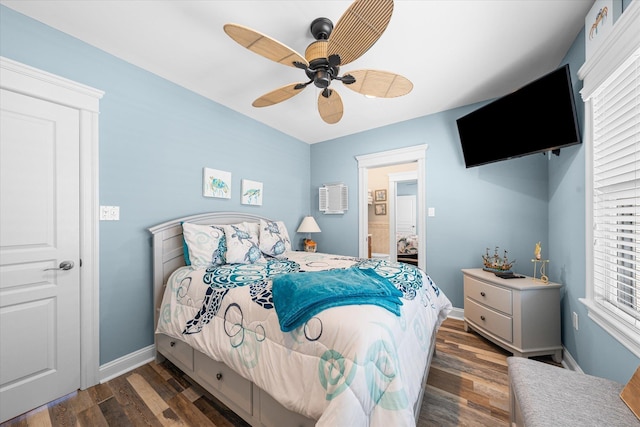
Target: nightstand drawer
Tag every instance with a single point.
(489, 295)
(491, 321)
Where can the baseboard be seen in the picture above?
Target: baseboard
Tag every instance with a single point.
(127, 363)
(568, 362)
(457, 313)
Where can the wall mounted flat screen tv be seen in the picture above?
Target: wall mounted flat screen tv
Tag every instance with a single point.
(537, 118)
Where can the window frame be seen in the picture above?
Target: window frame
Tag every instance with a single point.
(622, 42)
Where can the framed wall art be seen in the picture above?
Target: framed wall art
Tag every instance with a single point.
(381, 208)
(380, 195)
(216, 183)
(599, 22)
(251, 192)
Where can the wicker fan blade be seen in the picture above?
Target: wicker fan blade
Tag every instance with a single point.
(330, 106)
(359, 28)
(263, 45)
(380, 84)
(277, 96)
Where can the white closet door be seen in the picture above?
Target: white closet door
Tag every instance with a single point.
(39, 232)
(406, 214)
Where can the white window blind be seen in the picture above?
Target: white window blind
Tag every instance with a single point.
(616, 193)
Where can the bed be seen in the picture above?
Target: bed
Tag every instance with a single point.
(345, 358)
(407, 248)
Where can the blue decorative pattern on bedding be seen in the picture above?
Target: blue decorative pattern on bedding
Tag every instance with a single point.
(359, 362)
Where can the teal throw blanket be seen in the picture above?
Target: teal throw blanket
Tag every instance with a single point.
(297, 297)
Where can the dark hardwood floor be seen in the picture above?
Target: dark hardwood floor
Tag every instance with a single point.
(467, 386)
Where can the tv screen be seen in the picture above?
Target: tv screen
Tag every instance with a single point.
(536, 118)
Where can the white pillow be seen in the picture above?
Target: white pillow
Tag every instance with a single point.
(274, 238)
(205, 244)
(242, 243)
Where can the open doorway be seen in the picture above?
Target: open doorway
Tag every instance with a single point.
(403, 216)
(416, 155)
(386, 185)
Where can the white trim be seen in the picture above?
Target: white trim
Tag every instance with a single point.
(127, 363)
(616, 48)
(416, 153)
(621, 43)
(456, 313)
(39, 84)
(612, 325)
(568, 362)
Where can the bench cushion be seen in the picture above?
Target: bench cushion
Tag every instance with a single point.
(548, 395)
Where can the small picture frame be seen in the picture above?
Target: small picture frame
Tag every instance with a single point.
(251, 192)
(381, 208)
(216, 183)
(381, 196)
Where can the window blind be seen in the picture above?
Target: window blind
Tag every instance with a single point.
(616, 192)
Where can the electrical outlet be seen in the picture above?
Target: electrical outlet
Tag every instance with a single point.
(109, 213)
(574, 318)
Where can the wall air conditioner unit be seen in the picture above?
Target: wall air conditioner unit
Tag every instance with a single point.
(334, 198)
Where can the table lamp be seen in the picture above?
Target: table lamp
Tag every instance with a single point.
(309, 225)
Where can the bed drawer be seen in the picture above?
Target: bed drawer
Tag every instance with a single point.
(489, 295)
(174, 348)
(489, 320)
(226, 381)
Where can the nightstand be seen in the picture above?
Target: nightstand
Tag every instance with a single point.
(520, 315)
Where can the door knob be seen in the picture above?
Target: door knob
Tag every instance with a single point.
(64, 265)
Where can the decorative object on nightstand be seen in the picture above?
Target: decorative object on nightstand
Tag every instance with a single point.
(495, 264)
(309, 225)
(539, 265)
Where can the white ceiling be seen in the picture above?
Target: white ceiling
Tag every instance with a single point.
(455, 52)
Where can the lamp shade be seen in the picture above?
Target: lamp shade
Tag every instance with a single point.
(308, 225)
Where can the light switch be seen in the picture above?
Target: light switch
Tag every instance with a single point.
(109, 213)
(431, 212)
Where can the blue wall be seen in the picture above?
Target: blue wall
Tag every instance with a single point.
(501, 204)
(155, 138)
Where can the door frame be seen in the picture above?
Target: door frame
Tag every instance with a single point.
(40, 84)
(394, 179)
(416, 153)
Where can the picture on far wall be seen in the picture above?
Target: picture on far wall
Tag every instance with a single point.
(381, 195)
(381, 208)
(251, 192)
(216, 183)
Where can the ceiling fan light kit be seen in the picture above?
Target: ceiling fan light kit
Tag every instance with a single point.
(356, 31)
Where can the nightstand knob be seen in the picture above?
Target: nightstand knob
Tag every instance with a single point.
(219, 376)
(483, 294)
(482, 318)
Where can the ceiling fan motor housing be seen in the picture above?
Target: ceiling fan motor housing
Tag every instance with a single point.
(320, 70)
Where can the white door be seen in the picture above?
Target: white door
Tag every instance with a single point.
(406, 214)
(39, 232)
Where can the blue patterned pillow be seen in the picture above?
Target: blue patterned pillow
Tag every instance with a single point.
(242, 243)
(205, 244)
(274, 238)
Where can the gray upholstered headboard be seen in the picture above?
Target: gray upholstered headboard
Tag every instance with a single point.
(168, 252)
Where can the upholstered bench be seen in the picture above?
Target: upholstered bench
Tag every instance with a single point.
(546, 395)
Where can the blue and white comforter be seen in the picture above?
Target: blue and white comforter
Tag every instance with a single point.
(354, 365)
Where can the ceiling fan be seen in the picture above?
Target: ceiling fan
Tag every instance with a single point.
(356, 31)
